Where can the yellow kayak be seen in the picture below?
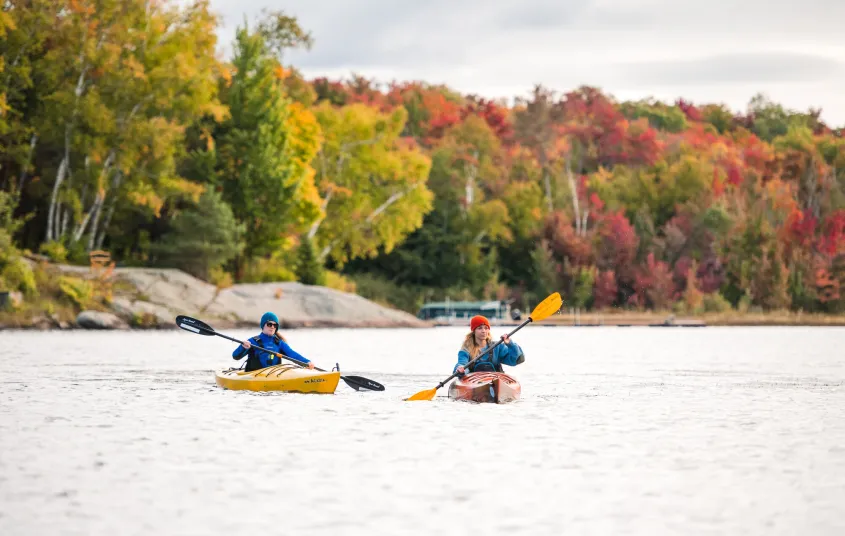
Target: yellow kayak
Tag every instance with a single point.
(279, 378)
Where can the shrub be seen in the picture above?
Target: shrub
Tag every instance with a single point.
(56, 251)
(716, 303)
(77, 290)
(339, 282)
(17, 275)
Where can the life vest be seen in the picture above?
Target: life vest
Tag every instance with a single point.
(485, 364)
(253, 362)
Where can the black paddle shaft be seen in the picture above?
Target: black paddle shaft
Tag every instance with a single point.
(479, 356)
(201, 328)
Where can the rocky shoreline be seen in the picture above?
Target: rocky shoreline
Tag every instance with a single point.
(151, 298)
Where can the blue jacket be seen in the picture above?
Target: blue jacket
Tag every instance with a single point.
(260, 359)
(504, 354)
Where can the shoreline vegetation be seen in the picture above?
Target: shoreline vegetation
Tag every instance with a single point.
(144, 175)
(104, 297)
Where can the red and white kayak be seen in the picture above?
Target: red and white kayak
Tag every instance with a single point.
(495, 387)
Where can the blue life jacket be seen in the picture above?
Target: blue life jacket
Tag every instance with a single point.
(504, 354)
(258, 359)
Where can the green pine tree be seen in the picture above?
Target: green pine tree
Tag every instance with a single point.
(309, 271)
(201, 238)
(261, 155)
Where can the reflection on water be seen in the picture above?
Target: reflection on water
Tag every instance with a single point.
(619, 431)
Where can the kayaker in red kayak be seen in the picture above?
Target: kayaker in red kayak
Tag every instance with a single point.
(478, 340)
(270, 339)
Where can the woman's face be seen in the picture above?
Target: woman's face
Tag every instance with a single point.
(481, 333)
(269, 328)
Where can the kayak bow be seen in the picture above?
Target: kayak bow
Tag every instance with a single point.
(287, 378)
(494, 387)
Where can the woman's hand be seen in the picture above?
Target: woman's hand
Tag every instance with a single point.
(246, 344)
(310, 365)
(506, 339)
(460, 369)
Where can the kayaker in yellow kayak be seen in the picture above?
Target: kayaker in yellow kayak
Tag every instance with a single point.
(270, 339)
(478, 340)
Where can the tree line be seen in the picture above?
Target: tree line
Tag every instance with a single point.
(121, 129)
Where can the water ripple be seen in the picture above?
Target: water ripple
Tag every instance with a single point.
(636, 431)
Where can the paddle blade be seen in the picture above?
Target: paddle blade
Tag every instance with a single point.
(423, 395)
(360, 383)
(194, 326)
(547, 307)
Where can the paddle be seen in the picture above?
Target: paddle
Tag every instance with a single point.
(201, 328)
(544, 309)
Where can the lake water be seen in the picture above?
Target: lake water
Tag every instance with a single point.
(619, 431)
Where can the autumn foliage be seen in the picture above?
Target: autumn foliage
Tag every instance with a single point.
(639, 204)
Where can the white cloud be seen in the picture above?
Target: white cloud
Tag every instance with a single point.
(703, 51)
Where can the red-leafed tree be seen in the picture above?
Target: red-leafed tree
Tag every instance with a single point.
(565, 243)
(832, 241)
(494, 114)
(653, 286)
(616, 247)
(692, 113)
(605, 289)
(332, 91)
(711, 275)
(603, 136)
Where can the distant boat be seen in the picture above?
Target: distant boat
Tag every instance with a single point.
(459, 312)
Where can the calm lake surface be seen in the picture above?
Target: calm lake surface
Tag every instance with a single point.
(619, 431)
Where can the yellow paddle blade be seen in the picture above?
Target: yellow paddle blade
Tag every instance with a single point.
(424, 395)
(547, 307)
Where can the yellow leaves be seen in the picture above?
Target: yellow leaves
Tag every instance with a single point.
(153, 198)
(719, 150)
(135, 68)
(147, 198)
(305, 131)
(338, 191)
(6, 23)
(209, 139)
(520, 152)
(374, 183)
(308, 189)
(220, 112)
(781, 195)
(226, 73)
(601, 179)
(182, 188)
(492, 217)
(280, 73)
(303, 142)
(81, 7)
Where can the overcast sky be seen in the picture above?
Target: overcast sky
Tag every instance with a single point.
(703, 51)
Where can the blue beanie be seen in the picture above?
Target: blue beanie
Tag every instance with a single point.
(269, 316)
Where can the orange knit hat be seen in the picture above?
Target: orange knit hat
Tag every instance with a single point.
(477, 321)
